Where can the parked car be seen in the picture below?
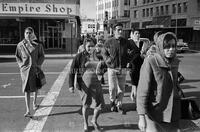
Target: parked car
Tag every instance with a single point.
(182, 46)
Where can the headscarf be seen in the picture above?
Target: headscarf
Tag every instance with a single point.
(156, 35)
(160, 43)
(33, 36)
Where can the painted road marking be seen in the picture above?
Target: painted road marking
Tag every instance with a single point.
(49, 100)
(18, 97)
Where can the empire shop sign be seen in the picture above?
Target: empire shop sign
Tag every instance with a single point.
(38, 8)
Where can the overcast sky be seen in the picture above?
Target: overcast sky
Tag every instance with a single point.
(88, 8)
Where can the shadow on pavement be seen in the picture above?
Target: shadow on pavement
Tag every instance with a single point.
(4, 60)
(190, 81)
(186, 86)
(121, 127)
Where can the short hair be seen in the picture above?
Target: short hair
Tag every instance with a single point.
(87, 40)
(134, 29)
(117, 24)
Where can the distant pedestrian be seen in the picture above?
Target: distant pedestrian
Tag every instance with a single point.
(30, 57)
(102, 66)
(116, 58)
(84, 65)
(136, 61)
(158, 102)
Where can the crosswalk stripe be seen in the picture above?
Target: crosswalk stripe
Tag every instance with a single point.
(49, 100)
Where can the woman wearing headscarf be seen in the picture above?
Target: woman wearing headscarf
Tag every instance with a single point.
(84, 65)
(158, 102)
(30, 56)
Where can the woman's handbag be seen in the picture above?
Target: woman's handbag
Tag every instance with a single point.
(189, 108)
(40, 78)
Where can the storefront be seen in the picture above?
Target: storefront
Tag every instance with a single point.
(56, 25)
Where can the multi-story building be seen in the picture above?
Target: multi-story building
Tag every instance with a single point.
(179, 16)
(88, 26)
(110, 11)
(56, 23)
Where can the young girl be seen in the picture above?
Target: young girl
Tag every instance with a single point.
(84, 64)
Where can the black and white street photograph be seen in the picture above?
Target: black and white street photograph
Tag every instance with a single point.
(99, 65)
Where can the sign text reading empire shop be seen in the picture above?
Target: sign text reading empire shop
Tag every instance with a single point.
(37, 8)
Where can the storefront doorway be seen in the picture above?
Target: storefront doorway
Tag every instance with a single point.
(54, 37)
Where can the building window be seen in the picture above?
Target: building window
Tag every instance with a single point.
(126, 2)
(157, 11)
(144, 1)
(152, 1)
(161, 10)
(179, 7)
(126, 13)
(185, 5)
(174, 8)
(135, 2)
(151, 11)
(135, 14)
(167, 9)
(117, 3)
(147, 12)
(143, 13)
(135, 25)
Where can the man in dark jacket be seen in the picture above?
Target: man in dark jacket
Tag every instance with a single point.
(116, 57)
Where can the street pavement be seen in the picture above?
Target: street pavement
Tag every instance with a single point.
(60, 110)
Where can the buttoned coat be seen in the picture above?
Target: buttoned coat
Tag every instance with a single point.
(29, 58)
(157, 94)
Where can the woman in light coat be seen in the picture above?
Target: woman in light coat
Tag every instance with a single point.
(30, 56)
(158, 102)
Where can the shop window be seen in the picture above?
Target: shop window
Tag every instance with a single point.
(9, 33)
